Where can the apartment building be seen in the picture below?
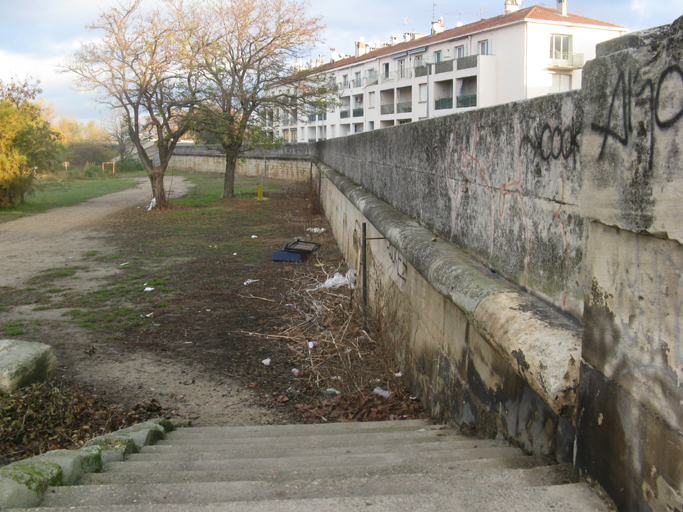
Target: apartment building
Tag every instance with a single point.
(521, 54)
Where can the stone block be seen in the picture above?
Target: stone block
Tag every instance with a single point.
(22, 484)
(23, 363)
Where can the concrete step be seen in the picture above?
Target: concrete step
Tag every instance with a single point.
(557, 498)
(281, 450)
(425, 466)
(221, 492)
(305, 430)
(316, 461)
(354, 438)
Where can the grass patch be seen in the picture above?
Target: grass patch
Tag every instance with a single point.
(13, 328)
(111, 318)
(64, 193)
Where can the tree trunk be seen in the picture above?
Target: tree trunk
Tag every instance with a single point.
(156, 178)
(230, 165)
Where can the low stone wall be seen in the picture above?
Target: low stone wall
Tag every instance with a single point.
(478, 351)
(285, 164)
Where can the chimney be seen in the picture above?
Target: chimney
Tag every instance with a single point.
(361, 48)
(512, 6)
(562, 7)
(438, 26)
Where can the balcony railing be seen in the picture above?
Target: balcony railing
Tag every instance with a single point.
(467, 62)
(358, 112)
(421, 71)
(443, 103)
(387, 77)
(566, 60)
(372, 80)
(404, 106)
(357, 82)
(467, 101)
(344, 114)
(387, 109)
(444, 66)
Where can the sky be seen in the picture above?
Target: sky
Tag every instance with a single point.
(36, 36)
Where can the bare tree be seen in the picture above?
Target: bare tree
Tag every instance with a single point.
(253, 46)
(144, 65)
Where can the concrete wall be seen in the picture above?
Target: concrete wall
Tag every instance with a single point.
(631, 429)
(501, 183)
(283, 163)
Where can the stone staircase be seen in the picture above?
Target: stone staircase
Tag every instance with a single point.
(398, 466)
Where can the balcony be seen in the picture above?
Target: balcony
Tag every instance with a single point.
(467, 101)
(387, 109)
(372, 80)
(404, 106)
(387, 77)
(356, 82)
(443, 103)
(467, 62)
(560, 60)
(444, 66)
(358, 112)
(344, 114)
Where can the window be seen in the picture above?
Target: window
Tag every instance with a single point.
(423, 92)
(345, 81)
(561, 83)
(402, 68)
(438, 56)
(560, 46)
(371, 100)
(385, 70)
(460, 52)
(357, 81)
(293, 134)
(417, 61)
(371, 125)
(285, 135)
(484, 47)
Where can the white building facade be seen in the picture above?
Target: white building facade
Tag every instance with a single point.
(522, 54)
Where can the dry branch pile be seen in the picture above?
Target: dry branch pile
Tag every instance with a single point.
(343, 362)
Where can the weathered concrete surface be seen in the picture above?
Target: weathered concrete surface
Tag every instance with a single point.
(632, 147)
(631, 399)
(23, 363)
(477, 351)
(285, 164)
(502, 183)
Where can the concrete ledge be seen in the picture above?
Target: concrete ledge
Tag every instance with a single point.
(23, 483)
(540, 343)
(23, 363)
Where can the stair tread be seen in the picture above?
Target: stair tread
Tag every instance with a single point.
(208, 492)
(564, 498)
(426, 466)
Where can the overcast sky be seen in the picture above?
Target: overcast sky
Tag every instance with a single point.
(38, 35)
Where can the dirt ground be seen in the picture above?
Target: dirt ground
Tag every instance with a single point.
(75, 277)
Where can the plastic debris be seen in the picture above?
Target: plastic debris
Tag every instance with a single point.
(315, 230)
(338, 280)
(148, 289)
(254, 236)
(152, 204)
(148, 315)
(266, 362)
(330, 391)
(249, 281)
(124, 264)
(228, 389)
(296, 372)
(398, 374)
(382, 392)
(213, 247)
(234, 254)
(312, 344)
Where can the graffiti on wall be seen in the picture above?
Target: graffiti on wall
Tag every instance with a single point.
(479, 173)
(658, 101)
(398, 263)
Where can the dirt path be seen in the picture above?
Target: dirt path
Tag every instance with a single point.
(63, 238)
